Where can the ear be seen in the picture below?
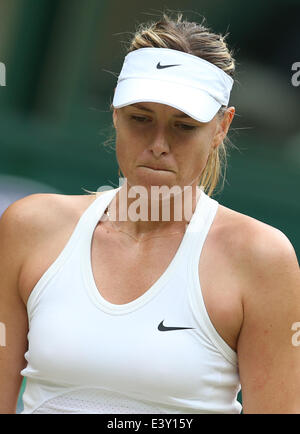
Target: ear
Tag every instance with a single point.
(223, 127)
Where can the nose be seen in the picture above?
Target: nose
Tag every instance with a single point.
(159, 144)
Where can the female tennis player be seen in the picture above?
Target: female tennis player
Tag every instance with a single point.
(172, 312)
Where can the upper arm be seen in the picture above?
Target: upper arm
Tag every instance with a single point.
(269, 362)
(16, 225)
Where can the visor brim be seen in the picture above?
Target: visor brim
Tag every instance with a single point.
(194, 102)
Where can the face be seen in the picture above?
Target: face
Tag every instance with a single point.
(157, 144)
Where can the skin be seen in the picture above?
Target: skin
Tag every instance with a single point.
(249, 270)
(152, 134)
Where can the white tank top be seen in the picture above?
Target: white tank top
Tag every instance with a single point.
(87, 355)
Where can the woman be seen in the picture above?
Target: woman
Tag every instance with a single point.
(170, 312)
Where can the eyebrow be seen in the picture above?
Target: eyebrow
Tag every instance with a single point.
(183, 115)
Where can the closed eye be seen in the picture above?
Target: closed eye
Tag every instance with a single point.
(143, 119)
(186, 127)
(139, 118)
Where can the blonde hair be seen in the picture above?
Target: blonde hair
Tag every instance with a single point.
(196, 39)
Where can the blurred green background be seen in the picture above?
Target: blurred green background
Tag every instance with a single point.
(62, 58)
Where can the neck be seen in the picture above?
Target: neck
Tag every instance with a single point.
(139, 211)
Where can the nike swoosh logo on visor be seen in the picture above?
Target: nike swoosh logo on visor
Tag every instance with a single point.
(159, 66)
(163, 328)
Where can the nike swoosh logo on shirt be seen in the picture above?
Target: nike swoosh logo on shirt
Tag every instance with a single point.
(159, 66)
(163, 328)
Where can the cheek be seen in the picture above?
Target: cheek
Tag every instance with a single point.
(202, 150)
(121, 152)
(127, 149)
(193, 154)
(192, 162)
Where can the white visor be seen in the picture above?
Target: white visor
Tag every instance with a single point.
(175, 78)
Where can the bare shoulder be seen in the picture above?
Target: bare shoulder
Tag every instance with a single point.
(36, 205)
(41, 208)
(266, 260)
(31, 218)
(252, 243)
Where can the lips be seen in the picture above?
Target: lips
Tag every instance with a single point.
(157, 168)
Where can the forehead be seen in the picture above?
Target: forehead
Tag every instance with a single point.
(151, 107)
